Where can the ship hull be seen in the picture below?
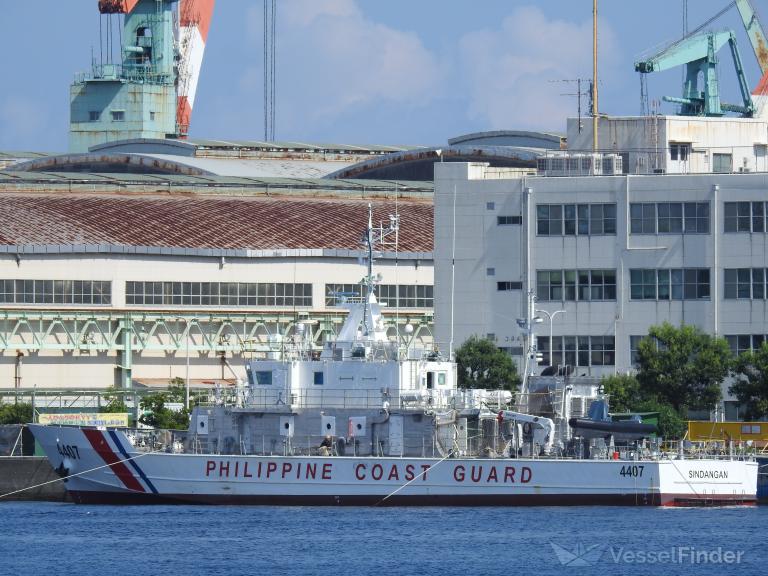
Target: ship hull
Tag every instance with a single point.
(101, 467)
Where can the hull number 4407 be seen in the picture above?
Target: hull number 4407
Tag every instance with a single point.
(631, 471)
(68, 451)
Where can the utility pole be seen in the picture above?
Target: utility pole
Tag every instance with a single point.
(595, 108)
(270, 42)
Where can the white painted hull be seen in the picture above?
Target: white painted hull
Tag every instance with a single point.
(102, 467)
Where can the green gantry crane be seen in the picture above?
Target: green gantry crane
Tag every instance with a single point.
(698, 53)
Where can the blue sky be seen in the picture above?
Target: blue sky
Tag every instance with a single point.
(370, 71)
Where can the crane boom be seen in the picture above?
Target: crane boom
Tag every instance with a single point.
(755, 32)
(697, 53)
(691, 49)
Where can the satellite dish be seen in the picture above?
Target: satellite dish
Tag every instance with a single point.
(409, 328)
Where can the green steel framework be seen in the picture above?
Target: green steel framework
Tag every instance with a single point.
(128, 333)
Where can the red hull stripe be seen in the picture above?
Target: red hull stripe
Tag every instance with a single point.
(101, 446)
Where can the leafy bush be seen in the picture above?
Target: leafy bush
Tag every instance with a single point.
(481, 364)
(20, 413)
(156, 413)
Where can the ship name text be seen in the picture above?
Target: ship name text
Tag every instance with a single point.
(708, 474)
(363, 471)
(268, 469)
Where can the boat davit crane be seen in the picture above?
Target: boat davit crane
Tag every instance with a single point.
(544, 424)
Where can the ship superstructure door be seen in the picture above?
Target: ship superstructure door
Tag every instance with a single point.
(395, 435)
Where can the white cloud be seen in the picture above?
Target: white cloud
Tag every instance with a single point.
(509, 72)
(331, 56)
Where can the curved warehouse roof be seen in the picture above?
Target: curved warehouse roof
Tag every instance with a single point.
(418, 164)
(190, 224)
(548, 140)
(210, 158)
(135, 163)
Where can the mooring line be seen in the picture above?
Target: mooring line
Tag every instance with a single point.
(77, 474)
(414, 479)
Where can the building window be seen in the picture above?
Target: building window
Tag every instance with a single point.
(217, 294)
(744, 217)
(722, 163)
(642, 284)
(602, 219)
(578, 350)
(406, 296)
(390, 295)
(679, 152)
(507, 220)
(634, 344)
(151, 116)
(66, 292)
(744, 283)
(505, 286)
(490, 206)
(642, 218)
(669, 284)
(549, 219)
(576, 219)
(741, 343)
(94, 116)
(490, 271)
(118, 115)
(669, 218)
(573, 285)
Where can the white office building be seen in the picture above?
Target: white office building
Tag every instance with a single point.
(605, 257)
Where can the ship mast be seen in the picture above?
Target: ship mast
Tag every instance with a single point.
(375, 236)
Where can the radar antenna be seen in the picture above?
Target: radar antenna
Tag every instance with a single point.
(376, 236)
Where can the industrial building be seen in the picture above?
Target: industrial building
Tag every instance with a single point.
(134, 279)
(122, 262)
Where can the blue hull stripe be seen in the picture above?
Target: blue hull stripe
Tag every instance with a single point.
(132, 462)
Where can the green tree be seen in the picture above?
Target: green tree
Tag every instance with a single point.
(671, 425)
(623, 391)
(158, 415)
(481, 364)
(682, 366)
(18, 413)
(115, 402)
(751, 386)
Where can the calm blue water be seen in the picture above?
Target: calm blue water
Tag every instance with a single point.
(45, 538)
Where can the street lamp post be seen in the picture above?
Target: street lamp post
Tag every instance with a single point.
(550, 317)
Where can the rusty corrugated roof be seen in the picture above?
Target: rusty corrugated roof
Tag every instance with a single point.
(189, 221)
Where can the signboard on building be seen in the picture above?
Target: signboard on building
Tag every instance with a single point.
(112, 420)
